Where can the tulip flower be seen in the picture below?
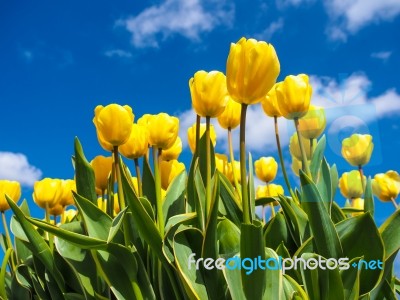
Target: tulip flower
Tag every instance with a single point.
(270, 103)
(191, 135)
(266, 168)
(234, 171)
(105, 145)
(313, 123)
(350, 185)
(359, 204)
(357, 149)
(296, 166)
(209, 93)
(137, 144)
(56, 210)
(252, 68)
(387, 186)
(221, 163)
(230, 117)
(113, 123)
(163, 130)
(174, 151)
(10, 188)
(66, 197)
(270, 190)
(144, 120)
(102, 168)
(294, 147)
(47, 192)
(169, 170)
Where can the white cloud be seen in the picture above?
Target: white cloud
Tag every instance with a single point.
(268, 32)
(349, 16)
(118, 53)
(284, 3)
(382, 55)
(15, 166)
(188, 18)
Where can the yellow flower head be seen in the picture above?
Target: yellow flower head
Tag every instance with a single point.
(266, 168)
(359, 204)
(209, 93)
(137, 144)
(113, 123)
(357, 149)
(270, 190)
(221, 163)
(313, 123)
(163, 130)
(56, 210)
(386, 186)
(350, 184)
(10, 188)
(294, 96)
(230, 117)
(67, 187)
(172, 152)
(236, 169)
(169, 170)
(102, 168)
(47, 191)
(296, 165)
(252, 68)
(294, 146)
(191, 134)
(270, 103)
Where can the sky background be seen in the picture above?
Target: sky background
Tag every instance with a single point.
(59, 60)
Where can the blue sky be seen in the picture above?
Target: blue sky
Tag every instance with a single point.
(58, 61)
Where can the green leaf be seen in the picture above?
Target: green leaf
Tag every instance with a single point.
(200, 198)
(227, 194)
(324, 232)
(277, 232)
(390, 234)
(116, 225)
(292, 289)
(229, 238)
(233, 278)
(7, 255)
(85, 183)
(369, 198)
(174, 202)
(148, 183)
(317, 157)
(337, 214)
(292, 220)
(351, 280)
(273, 277)
(203, 157)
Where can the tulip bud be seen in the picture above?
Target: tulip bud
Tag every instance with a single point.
(350, 184)
(48, 192)
(67, 187)
(169, 170)
(270, 190)
(113, 123)
(221, 163)
(236, 169)
(144, 120)
(137, 144)
(102, 168)
(10, 188)
(294, 96)
(357, 149)
(294, 147)
(191, 134)
(163, 130)
(266, 168)
(230, 117)
(105, 145)
(209, 93)
(313, 123)
(359, 204)
(296, 165)
(252, 68)
(174, 151)
(386, 186)
(56, 210)
(270, 103)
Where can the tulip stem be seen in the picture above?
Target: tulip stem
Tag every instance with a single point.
(232, 157)
(394, 203)
(198, 120)
(263, 213)
(208, 169)
(8, 239)
(139, 178)
(243, 175)
(360, 169)
(311, 147)
(157, 175)
(278, 144)
(49, 235)
(271, 204)
(302, 150)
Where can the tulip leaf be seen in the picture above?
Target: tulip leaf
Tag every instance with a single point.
(292, 221)
(317, 157)
(85, 183)
(233, 278)
(369, 198)
(148, 183)
(229, 238)
(337, 214)
(273, 276)
(200, 198)
(203, 158)
(190, 189)
(174, 202)
(234, 212)
(277, 232)
(389, 231)
(116, 225)
(3, 269)
(292, 289)
(351, 280)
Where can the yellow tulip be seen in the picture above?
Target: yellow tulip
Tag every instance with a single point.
(313, 123)
(294, 147)
(67, 187)
(169, 170)
(296, 165)
(47, 191)
(270, 103)
(56, 210)
(357, 149)
(266, 168)
(270, 190)
(69, 214)
(221, 163)
(191, 135)
(359, 204)
(12, 189)
(172, 152)
(102, 204)
(386, 186)
(252, 68)
(350, 184)
(137, 144)
(102, 168)
(113, 123)
(163, 130)
(294, 96)
(144, 120)
(135, 184)
(230, 117)
(236, 169)
(117, 209)
(209, 93)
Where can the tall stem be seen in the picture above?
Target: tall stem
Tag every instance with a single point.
(360, 169)
(311, 147)
(157, 175)
(394, 203)
(208, 169)
(303, 152)
(196, 151)
(8, 238)
(139, 178)
(232, 158)
(243, 175)
(49, 235)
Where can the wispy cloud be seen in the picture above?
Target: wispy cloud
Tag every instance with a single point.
(15, 166)
(382, 55)
(273, 28)
(118, 53)
(188, 18)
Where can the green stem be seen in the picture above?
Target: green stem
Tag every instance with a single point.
(49, 235)
(157, 175)
(110, 191)
(139, 178)
(8, 239)
(232, 158)
(208, 169)
(394, 203)
(271, 204)
(302, 149)
(198, 120)
(311, 147)
(360, 169)
(3, 294)
(243, 175)
(263, 213)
